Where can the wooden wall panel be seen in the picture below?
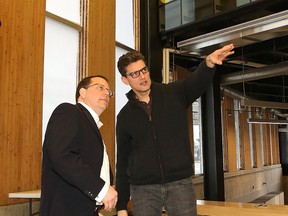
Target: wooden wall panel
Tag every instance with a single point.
(247, 185)
(266, 141)
(229, 135)
(101, 60)
(257, 145)
(275, 144)
(268, 135)
(245, 141)
(21, 84)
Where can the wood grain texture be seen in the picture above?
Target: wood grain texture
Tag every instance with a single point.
(257, 142)
(239, 209)
(229, 138)
(21, 77)
(244, 140)
(101, 47)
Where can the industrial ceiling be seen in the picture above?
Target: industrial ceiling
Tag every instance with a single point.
(259, 68)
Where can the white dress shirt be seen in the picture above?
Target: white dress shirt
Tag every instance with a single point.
(105, 169)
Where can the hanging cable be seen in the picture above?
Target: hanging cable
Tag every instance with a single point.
(283, 89)
(243, 68)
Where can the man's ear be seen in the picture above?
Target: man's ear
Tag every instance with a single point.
(82, 92)
(125, 80)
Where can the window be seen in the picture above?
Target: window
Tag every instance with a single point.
(175, 13)
(125, 37)
(125, 41)
(61, 57)
(197, 137)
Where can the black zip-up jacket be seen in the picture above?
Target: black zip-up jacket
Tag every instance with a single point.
(156, 149)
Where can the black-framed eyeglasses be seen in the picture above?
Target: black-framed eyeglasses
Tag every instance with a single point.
(136, 74)
(102, 88)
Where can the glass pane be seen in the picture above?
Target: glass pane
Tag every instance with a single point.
(170, 15)
(175, 13)
(197, 136)
(124, 23)
(60, 66)
(242, 2)
(68, 9)
(120, 88)
(224, 5)
(204, 8)
(188, 11)
(124, 35)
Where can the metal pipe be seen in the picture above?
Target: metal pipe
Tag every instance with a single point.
(255, 74)
(232, 93)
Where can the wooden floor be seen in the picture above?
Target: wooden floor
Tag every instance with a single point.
(212, 208)
(205, 208)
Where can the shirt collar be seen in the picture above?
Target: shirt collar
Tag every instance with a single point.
(94, 115)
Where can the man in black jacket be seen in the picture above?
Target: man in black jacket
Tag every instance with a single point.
(154, 161)
(76, 175)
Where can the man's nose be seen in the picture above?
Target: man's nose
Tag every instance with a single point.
(142, 75)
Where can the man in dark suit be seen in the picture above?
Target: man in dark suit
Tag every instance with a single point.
(76, 174)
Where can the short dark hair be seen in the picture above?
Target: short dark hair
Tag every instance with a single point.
(85, 82)
(127, 59)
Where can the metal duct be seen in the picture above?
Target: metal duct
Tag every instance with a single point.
(248, 101)
(232, 93)
(255, 74)
(255, 31)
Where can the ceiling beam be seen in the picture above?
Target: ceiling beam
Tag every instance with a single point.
(263, 104)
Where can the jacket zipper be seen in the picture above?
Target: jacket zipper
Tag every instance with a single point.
(158, 150)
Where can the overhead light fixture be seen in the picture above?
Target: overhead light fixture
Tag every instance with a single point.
(267, 121)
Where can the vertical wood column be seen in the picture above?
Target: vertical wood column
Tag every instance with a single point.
(269, 138)
(101, 60)
(257, 142)
(275, 144)
(245, 141)
(229, 134)
(21, 76)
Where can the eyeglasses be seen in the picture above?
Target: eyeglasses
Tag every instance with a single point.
(101, 88)
(136, 74)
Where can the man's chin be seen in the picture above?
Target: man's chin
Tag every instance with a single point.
(145, 90)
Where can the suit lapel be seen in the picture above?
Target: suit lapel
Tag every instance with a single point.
(90, 118)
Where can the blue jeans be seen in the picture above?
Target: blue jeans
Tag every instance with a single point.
(178, 198)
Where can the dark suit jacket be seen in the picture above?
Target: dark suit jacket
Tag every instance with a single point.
(72, 160)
